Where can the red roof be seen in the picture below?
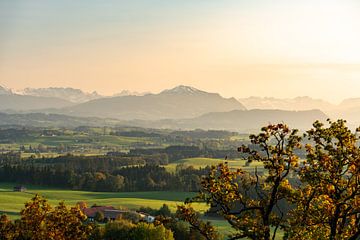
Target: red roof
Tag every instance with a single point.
(91, 212)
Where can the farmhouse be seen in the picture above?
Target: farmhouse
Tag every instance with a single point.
(113, 214)
(110, 213)
(146, 217)
(20, 189)
(91, 212)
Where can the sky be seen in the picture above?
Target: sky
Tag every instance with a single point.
(278, 48)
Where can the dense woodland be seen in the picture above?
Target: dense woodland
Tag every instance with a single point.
(136, 166)
(135, 178)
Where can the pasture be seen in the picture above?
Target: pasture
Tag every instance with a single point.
(203, 162)
(12, 202)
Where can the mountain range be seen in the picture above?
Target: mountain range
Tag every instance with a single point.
(179, 107)
(179, 102)
(348, 109)
(15, 102)
(69, 94)
(290, 104)
(5, 91)
(238, 120)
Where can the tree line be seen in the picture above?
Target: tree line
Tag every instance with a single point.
(134, 178)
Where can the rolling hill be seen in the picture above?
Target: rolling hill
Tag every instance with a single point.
(242, 121)
(237, 120)
(289, 104)
(16, 102)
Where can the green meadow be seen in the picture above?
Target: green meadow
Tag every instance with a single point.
(12, 202)
(203, 162)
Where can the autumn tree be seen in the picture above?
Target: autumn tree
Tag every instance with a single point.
(67, 223)
(328, 205)
(6, 228)
(39, 221)
(124, 229)
(99, 217)
(188, 214)
(145, 231)
(32, 224)
(250, 201)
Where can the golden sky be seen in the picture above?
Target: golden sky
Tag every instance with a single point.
(280, 48)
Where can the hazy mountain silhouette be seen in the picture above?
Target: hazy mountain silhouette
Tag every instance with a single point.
(179, 102)
(69, 94)
(348, 109)
(129, 93)
(5, 91)
(243, 121)
(237, 120)
(16, 102)
(291, 104)
(190, 107)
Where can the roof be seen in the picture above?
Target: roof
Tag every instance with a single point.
(91, 212)
(113, 214)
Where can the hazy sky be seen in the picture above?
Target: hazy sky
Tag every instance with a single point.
(281, 48)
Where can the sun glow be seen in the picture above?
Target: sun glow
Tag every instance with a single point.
(213, 45)
(293, 32)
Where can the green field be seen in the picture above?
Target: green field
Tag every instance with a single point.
(225, 229)
(12, 202)
(203, 162)
(80, 143)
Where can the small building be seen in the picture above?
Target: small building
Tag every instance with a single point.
(91, 212)
(146, 217)
(149, 219)
(111, 214)
(20, 189)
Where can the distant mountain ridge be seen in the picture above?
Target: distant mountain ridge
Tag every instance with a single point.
(185, 90)
(243, 121)
(16, 102)
(5, 91)
(129, 93)
(176, 103)
(70, 94)
(348, 109)
(290, 104)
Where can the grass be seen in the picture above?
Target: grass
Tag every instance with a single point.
(225, 229)
(12, 202)
(203, 162)
(92, 143)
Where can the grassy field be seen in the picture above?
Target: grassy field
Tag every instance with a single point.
(225, 229)
(84, 143)
(12, 202)
(203, 162)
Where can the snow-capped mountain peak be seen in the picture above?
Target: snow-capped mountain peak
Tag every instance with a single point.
(70, 94)
(5, 91)
(181, 89)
